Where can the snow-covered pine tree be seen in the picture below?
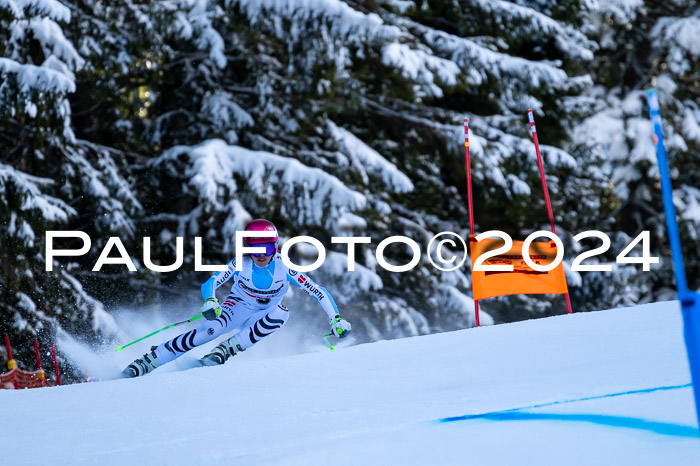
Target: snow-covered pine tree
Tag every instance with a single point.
(338, 117)
(49, 178)
(644, 44)
(331, 118)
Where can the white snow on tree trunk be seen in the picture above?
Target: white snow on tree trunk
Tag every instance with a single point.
(421, 66)
(29, 188)
(365, 159)
(345, 22)
(213, 164)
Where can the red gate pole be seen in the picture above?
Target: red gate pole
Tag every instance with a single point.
(55, 365)
(38, 363)
(544, 188)
(11, 364)
(469, 197)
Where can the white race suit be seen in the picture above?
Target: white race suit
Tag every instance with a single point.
(253, 306)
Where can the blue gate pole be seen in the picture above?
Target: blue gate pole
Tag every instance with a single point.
(690, 300)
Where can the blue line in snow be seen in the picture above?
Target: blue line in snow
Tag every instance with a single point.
(517, 414)
(663, 428)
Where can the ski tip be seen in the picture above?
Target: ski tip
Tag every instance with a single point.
(120, 348)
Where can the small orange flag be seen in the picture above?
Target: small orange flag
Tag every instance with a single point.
(523, 279)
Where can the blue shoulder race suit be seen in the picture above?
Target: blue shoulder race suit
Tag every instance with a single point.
(253, 306)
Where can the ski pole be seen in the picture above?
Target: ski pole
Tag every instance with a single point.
(158, 331)
(325, 338)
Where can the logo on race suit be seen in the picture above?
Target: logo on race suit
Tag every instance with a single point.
(263, 292)
(227, 273)
(301, 279)
(210, 331)
(314, 291)
(293, 273)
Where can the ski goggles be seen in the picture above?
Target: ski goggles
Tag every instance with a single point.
(270, 249)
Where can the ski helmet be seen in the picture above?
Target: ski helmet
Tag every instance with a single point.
(270, 242)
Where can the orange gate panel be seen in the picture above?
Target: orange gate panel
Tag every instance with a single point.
(523, 279)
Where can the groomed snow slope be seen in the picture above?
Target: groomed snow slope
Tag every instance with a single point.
(608, 387)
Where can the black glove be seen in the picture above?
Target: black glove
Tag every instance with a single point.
(211, 309)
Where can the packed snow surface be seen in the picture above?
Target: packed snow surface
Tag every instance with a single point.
(608, 387)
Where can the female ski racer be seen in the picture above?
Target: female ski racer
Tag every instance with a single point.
(254, 307)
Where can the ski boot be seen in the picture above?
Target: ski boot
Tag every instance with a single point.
(142, 366)
(222, 352)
